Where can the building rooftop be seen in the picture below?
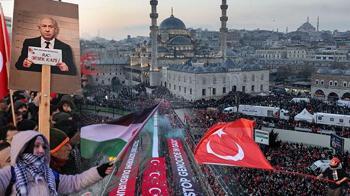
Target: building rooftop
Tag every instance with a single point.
(180, 40)
(229, 65)
(172, 23)
(329, 71)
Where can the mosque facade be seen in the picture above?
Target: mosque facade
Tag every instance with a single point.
(172, 60)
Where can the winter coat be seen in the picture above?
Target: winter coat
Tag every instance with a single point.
(67, 183)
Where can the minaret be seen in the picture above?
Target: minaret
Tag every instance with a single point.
(223, 29)
(308, 20)
(154, 32)
(318, 23)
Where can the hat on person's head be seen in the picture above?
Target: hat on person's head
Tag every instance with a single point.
(64, 122)
(19, 104)
(67, 126)
(61, 116)
(19, 95)
(66, 99)
(334, 161)
(57, 140)
(26, 124)
(53, 95)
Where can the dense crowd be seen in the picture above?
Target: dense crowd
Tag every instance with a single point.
(66, 122)
(27, 158)
(292, 162)
(209, 111)
(125, 99)
(293, 175)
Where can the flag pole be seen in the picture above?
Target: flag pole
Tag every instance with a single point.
(4, 30)
(44, 107)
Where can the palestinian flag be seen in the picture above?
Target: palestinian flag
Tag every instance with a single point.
(110, 138)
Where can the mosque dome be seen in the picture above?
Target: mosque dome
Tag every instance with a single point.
(172, 23)
(180, 40)
(307, 27)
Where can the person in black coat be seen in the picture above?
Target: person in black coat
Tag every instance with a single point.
(48, 29)
(336, 173)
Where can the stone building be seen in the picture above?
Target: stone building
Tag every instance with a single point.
(195, 81)
(331, 84)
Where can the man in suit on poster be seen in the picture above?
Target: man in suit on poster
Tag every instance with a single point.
(48, 29)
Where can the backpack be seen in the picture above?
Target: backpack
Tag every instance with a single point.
(13, 180)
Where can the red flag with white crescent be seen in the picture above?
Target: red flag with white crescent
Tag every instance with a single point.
(4, 56)
(231, 144)
(154, 182)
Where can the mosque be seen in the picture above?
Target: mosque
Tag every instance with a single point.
(171, 59)
(307, 27)
(175, 45)
(175, 40)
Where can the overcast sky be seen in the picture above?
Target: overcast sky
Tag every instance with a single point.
(118, 18)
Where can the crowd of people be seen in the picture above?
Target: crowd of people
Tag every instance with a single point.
(66, 121)
(292, 175)
(29, 163)
(280, 100)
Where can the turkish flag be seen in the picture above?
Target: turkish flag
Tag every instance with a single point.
(4, 56)
(154, 180)
(231, 144)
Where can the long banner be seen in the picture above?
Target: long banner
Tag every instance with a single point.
(183, 176)
(154, 180)
(127, 173)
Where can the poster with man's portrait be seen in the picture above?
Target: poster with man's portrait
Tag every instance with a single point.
(45, 32)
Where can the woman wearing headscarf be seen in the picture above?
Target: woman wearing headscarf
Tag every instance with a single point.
(30, 173)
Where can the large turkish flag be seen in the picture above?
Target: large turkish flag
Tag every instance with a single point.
(4, 55)
(231, 144)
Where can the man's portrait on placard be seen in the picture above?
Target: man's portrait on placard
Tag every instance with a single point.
(48, 28)
(47, 31)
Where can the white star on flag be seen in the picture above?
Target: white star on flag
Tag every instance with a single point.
(220, 132)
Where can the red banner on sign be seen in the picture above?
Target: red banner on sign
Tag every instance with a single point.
(182, 173)
(127, 173)
(154, 181)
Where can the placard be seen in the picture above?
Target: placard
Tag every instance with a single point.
(44, 56)
(45, 24)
